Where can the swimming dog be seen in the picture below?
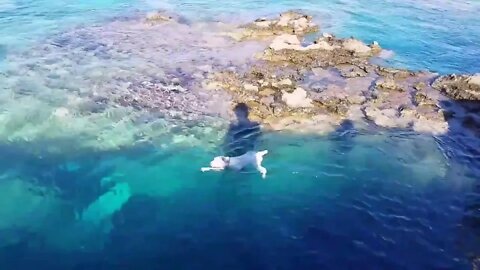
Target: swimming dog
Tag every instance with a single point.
(255, 159)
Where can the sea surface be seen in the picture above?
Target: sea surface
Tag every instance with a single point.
(369, 199)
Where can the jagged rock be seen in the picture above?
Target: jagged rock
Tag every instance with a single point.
(336, 105)
(357, 47)
(158, 17)
(419, 86)
(422, 99)
(300, 23)
(267, 100)
(267, 92)
(285, 42)
(430, 126)
(333, 98)
(325, 52)
(212, 85)
(336, 80)
(475, 79)
(321, 45)
(459, 87)
(352, 71)
(291, 42)
(376, 49)
(288, 23)
(297, 99)
(388, 84)
(174, 88)
(389, 117)
(396, 74)
(250, 87)
(263, 23)
(284, 82)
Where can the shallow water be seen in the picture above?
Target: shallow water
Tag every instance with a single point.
(101, 192)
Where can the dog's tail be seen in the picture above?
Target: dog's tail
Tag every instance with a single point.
(262, 153)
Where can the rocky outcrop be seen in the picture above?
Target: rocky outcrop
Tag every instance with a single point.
(290, 22)
(327, 51)
(155, 85)
(161, 17)
(297, 99)
(333, 78)
(460, 87)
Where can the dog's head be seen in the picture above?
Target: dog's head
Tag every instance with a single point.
(220, 162)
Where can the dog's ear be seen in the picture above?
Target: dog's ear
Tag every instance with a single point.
(226, 159)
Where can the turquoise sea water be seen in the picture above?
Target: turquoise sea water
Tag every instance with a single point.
(376, 199)
(438, 35)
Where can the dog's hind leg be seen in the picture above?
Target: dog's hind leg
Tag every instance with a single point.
(259, 160)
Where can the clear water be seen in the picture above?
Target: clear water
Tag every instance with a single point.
(438, 35)
(380, 199)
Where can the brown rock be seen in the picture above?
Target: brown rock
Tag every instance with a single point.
(419, 86)
(459, 87)
(421, 98)
(267, 92)
(352, 71)
(388, 84)
(290, 22)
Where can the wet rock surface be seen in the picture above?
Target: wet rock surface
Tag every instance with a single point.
(290, 22)
(460, 87)
(333, 78)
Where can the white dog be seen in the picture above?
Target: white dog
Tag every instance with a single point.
(255, 159)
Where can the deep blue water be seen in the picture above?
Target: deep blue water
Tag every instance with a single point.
(381, 199)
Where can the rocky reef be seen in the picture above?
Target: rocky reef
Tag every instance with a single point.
(459, 87)
(314, 86)
(120, 83)
(290, 22)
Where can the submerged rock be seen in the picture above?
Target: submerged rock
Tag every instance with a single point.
(61, 112)
(250, 87)
(106, 205)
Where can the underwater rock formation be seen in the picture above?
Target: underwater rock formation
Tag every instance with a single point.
(105, 206)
